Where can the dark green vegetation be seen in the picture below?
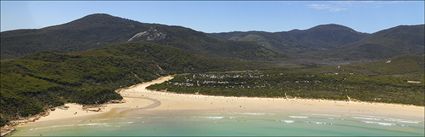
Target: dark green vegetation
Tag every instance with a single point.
(92, 31)
(319, 44)
(85, 60)
(400, 40)
(336, 42)
(99, 30)
(33, 83)
(375, 82)
(409, 67)
(322, 37)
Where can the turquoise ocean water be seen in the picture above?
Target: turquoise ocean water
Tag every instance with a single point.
(197, 123)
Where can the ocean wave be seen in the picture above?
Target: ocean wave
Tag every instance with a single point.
(215, 117)
(328, 115)
(47, 127)
(379, 123)
(375, 118)
(254, 114)
(368, 118)
(301, 117)
(94, 124)
(402, 120)
(129, 122)
(322, 123)
(287, 121)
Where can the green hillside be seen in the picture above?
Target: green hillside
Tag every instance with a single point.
(396, 41)
(336, 42)
(98, 30)
(33, 83)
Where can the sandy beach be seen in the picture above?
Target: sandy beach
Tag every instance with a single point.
(137, 97)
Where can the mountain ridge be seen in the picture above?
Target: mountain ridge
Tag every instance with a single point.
(97, 30)
(326, 41)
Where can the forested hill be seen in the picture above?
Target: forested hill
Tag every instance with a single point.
(321, 37)
(400, 40)
(98, 30)
(332, 41)
(92, 31)
(47, 79)
(319, 43)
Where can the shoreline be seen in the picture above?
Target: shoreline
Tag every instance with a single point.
(137, 97)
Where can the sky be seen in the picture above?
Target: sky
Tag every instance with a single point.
(221, 16)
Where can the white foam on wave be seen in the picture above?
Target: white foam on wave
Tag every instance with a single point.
(128, 122)
(322, 123)
(379, 123)
(375, 118)
(56, 126)
(301, 117)
(368, 118)
(94, 124)
(327, 115)
(287, 121)
(215, 117)
(402, 120)
(254, 114)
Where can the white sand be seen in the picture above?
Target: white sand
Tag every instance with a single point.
(76, 110)
(138, 97)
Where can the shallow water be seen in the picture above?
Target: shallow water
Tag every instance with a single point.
(195, 123)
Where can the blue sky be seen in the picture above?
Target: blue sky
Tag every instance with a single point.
(221, 16)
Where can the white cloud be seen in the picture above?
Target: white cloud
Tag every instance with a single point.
(326, 7)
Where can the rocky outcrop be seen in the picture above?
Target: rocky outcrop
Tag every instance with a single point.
(152, 34)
